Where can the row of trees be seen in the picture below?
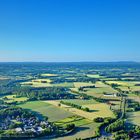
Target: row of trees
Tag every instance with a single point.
(49, 93)
(116, 126)
(75, 106)
(13, 112)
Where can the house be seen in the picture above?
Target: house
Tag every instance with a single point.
(18, 129)
(110, 94)
(39, 129)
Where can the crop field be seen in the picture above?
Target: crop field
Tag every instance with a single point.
(66, 84)
(13, 98)
(48, 75)
(100, 110)
(124, 83)
(134, 117)
(54, 113)
(3, 78)
(94, 76)
(134, 97)
(80, 84)
(115, 105)
(99, 84)
(35, 84)
(42, 81)
(77, 120)
(46, 83)
(38, 83)
(89, 93)
(98, 92)
(81, 102)
(84, 131)
(127, 85)
(97, 110)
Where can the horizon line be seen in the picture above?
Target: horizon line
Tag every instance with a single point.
(70, 61)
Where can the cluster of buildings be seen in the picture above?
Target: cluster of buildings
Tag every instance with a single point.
(22, 125)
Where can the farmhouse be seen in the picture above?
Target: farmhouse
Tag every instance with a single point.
(19, 129)
(110, 94)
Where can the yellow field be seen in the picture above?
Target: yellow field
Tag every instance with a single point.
(97, 110)
(100, 84)
(48, 75)
(124, 83)
(94, 75)
(134, 118)
(42, 80)
(12, 98)
(80, 84)
(38, 83)
(3, 78)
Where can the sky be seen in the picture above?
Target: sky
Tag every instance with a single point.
(69, 30)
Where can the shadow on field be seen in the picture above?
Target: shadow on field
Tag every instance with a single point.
(78, 129)
(39, 115)
(94, 111)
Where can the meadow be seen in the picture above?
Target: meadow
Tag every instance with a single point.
(78, 81)
(54, 113)
(127, 85)
(77, 120)
(13, 98)
(81, 102)
(134, 117)
(48, 75)
(96, 110)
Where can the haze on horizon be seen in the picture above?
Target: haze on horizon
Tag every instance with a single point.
(69, 30)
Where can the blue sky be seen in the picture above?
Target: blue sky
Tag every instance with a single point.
(69, 30)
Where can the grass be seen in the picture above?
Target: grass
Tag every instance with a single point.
(3, 78)
(134, 117)
(54, 113)
(48, 75)
(66, 84)
(97, 110)
(126, 85)
(38, 83)
(100, 84)
(13, 98)
(77, 120)
(84, 131)
(46, 83)
(98, 92)
(94, 76)
(100, 110)
(42, 80)
(81, 102)
(80, 84)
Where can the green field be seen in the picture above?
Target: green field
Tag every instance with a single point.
(134, 117)
(48, 75)
(80, 84)
(98, 92)
(96, 110)
(126, 85)
(52, 112)
(81, 102)
(94, 76)
(84, 131)
(66, 84)
(13, 98)
(38, 83)
(46, 83)
(77, 120)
